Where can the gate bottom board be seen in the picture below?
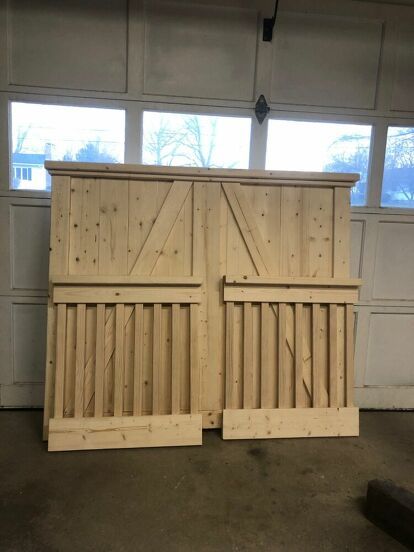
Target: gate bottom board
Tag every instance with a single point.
(124, 432)
(290, 422)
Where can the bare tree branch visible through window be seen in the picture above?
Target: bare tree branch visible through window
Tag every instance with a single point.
(193, 141)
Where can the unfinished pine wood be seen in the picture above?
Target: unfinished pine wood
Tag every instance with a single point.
(198, 288)
(281, 347)
(80, 359)
(247, 356)
(138, 359)
(290, 422)
(99, 359)
(349, 354)
(333, 355)
(290, 281)
(60, 360)
(125, 432)
(278, 294)
(299, 399)
(124, 294)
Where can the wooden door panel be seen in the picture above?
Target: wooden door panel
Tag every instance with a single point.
(124, 323)
(193, 295)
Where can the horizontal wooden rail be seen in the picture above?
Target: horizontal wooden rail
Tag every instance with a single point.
(124, 294)
(290, 422)
(148, 172)
(125, 432)
(291, 281)
(279, 294)
(132, 280)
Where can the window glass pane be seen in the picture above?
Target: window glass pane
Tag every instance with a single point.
(62, 133)
(332, 147)
(175, 139)
(398, 181)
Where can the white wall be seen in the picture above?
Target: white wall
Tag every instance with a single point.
(330, 59)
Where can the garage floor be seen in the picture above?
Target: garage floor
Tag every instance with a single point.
(294, 495)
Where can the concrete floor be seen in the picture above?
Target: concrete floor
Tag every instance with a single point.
(294, 495)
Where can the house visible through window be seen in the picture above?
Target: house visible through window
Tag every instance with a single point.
(62, 133)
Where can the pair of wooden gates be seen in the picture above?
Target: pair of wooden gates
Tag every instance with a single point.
(191, 298)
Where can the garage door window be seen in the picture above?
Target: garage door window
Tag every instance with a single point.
(63, 133)
(332, 147)
(398, 180)
(191, 140)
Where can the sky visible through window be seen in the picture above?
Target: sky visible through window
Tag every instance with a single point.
(175, 139)
(310, 146)
(41, 132)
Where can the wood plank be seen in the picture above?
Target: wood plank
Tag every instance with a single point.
(212, 326)
(129, 358)
(147, 280)
(119, 359)
(247, 356)
(84, 226)
(246, 280)
(176, 359)
(290, 422)
(316, 399)
(90, 351)
(70, 361)
(318, 232)
(185, 359)
(341, 355)
(156, 360)
(60, 361)
(265, 390)
(333, 355)
(200, 268)
(125, 294)
(255, 294)
(161, 229)
(126, 170)
(194, 360)
(80, 360)
(289, 372)
(290, 232)
(138, 359)
(229, 402)
(113, 227)
(341, 230)
(281, 362)
(249, 217)
(125, 432)
(349, 354)
(59, 235)
(258, 255)
(99, 359)
(165, 393)
(145, 201)
(298, 356)
(264, 204)
(58, 263)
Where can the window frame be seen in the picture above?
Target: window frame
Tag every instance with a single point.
(135, 106)
(303, 117)
(393, 124)
(185, 109)
(6, 100)
(208, 111)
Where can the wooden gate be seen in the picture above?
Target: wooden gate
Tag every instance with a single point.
(176, 294)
